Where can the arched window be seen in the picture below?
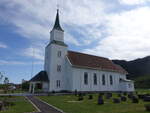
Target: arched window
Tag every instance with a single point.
(85, 78)
(95, 79)
(111, 80)
(103, 79)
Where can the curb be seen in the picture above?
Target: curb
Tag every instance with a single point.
(38, 110)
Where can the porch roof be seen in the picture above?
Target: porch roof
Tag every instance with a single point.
(41, 76)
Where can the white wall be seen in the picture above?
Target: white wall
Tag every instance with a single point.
(57, 35)
(68, 78)
(78, 80)
(127, 86)
(51, 62)
(45, 86)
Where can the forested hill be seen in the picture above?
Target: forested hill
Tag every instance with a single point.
(139, 69)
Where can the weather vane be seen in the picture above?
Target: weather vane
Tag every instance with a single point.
(57, 5)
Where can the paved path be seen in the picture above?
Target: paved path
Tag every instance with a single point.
(42, 106)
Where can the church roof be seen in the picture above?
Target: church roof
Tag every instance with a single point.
(94, 62)
(41, 76)
(57, 24)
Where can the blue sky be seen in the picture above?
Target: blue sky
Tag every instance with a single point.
(116, 29)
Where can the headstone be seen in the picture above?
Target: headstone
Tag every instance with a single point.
(146, 99)
(76, 92)
(141, 96)
(123, 98)
(80, 98)
(100, 100)
(130, 96)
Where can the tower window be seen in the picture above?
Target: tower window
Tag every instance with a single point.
(103, 79)
(95, 79)
(59, 54)
(111, 80)
(59, 68)
(85, 78)
(58, 83)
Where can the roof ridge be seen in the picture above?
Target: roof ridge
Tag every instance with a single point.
(88, 54)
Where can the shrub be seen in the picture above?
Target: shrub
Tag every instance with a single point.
(80, 98)
(147, 107)
(108, 95)
(79, 94)
(119, 95)
(1, 105)
(101, 94)
(135, 100)
(25, 86)
(116, 100)
(124, 93)
(53, 92)
(6, 103)
(90, 97)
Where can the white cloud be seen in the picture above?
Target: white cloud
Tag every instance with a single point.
(34, 19)
(70, 39)
(128, 35)
(6, 62)
(2, 45)
(34, 52)
(133, 2)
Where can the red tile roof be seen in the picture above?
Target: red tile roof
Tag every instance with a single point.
(94, 62)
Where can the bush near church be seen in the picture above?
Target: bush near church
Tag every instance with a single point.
(25, 86)
(90, 97)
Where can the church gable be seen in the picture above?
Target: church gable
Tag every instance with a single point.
(95, 62)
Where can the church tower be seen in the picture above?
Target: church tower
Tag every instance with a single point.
(55, 54)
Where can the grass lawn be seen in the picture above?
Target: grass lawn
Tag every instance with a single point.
(69, 104)
(143, 91)
(15, 91)
(21, 105)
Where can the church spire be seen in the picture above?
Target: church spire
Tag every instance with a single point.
(57, 24)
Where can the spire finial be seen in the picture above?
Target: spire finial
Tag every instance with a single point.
(57, 24)
(57, 7)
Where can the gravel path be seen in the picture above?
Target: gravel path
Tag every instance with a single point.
(43, 107)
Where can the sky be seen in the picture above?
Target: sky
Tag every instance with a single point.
(116, 29)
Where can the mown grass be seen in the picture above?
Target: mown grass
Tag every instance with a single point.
(10, 92)
(143, 91)
(21, 105)
(69, 104)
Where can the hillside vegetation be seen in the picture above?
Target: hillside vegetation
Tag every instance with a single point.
(139, 71)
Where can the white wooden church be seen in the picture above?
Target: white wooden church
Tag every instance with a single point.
(66, 70)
